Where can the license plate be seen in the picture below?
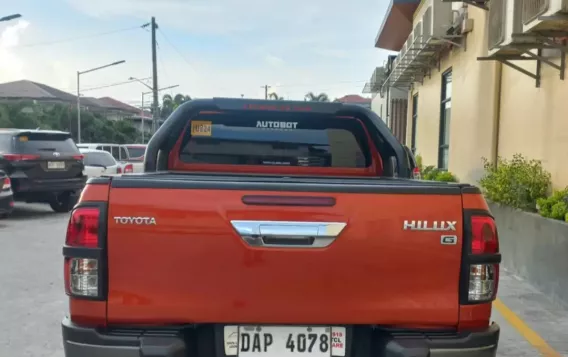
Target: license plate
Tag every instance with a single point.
(284, 341)
(55, 165)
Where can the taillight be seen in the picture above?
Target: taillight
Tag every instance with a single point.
(20, 157)
(483, 235)
(128, 169)
(83, 228)
(416, 173)
(6, 184)
(78, 157)
(83, 253)
(484, 259)
(119, 170)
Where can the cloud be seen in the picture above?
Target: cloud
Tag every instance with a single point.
(227, 47)
(273, 60)
(11, 66)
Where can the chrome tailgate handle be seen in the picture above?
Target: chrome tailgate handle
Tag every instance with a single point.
(288, 233)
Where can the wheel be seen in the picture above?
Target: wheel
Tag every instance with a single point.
(63, 203)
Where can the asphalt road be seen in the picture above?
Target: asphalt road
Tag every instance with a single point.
(33, 302)
(32, 298)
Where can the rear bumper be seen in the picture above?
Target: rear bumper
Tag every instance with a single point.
(26, 186)
(207, 341)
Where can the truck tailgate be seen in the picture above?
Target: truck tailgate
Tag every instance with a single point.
(186, 262)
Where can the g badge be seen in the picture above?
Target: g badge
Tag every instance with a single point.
(449, 240)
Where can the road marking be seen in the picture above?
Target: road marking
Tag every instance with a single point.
(529, 334)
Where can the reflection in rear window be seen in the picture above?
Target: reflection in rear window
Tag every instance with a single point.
(99, 159)
(135, 151)
(34, 143)
(242, 140)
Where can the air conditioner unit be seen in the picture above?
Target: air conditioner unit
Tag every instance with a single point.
(504, 20)
(537, 15)
(436, 18)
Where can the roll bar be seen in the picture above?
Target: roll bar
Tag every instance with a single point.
(165, 137)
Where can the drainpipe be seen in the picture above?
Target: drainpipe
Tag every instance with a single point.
(496, 112)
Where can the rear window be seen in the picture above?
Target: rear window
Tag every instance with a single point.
(32, 143)
(274, 141)
(99, 159)
(136, 151)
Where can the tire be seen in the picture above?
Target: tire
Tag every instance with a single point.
(63, 203)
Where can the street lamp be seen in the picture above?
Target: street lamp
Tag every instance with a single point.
(143, 94)
(140, 81)
(79, 73)
(10, 17)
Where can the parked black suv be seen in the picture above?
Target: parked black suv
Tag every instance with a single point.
(44, 166)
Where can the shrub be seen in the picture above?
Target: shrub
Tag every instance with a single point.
(518, 183)
(430, 173)
(446, 176)
(554, 206)
(418, 159)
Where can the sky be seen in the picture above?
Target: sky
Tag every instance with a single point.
(209, 48)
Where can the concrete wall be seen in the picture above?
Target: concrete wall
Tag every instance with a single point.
(534, 248)
(473, 106)
(533, 120)
(496, 110)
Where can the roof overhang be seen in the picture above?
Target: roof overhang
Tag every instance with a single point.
(396, 25)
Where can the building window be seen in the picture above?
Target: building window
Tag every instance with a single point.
(445, 120)
(414, 121)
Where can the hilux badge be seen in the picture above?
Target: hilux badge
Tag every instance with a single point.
(429, 226)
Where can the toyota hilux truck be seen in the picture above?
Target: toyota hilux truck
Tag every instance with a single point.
(274, 228)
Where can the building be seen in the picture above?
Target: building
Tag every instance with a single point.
(355, 99)
(485, 79)
(390, 103)
(45, 96)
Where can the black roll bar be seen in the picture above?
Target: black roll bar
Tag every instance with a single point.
(166, 136)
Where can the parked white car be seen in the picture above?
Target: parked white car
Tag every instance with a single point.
(99, 162)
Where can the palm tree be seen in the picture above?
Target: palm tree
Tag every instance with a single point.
(169, 103)
(275, 96)
(311, 97)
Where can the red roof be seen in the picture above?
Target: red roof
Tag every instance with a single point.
(119, 105)
(354, 98)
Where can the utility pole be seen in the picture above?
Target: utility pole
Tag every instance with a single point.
(265, 90)
(155, 114)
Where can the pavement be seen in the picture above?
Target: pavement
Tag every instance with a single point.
(32, 299)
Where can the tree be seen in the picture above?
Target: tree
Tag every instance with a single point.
(94, 126)
(169, 103)
(275, 96)
(311, 97)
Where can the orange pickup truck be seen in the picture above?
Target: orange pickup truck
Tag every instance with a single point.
(285, 229)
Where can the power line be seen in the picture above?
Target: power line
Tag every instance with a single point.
(112, 85)
(71, 39)
(174, 47)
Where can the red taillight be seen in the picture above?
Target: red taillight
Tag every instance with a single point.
(483, 235)
(78, 157)
(128, 169)
(82, 275)
(83, 228)
(20, 157)
(119, 170)
(483, 274)
(6, 184)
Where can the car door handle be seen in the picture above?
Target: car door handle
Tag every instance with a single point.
(288, 233)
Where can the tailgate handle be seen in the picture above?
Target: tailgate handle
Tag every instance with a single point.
(288, 234)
